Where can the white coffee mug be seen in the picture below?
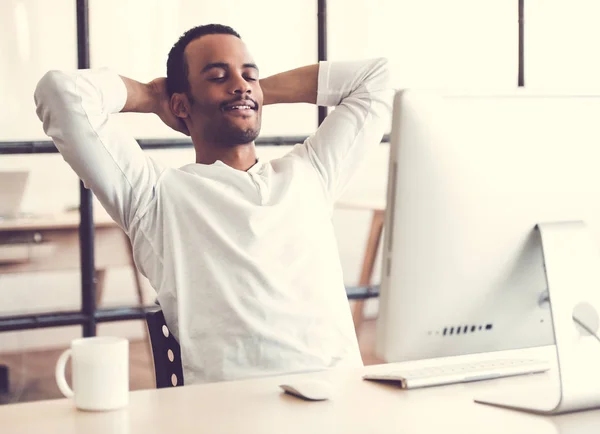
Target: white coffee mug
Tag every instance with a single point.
(100, 373)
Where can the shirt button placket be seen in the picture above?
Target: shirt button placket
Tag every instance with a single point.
(260, 187)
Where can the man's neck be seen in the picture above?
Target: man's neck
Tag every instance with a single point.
(241, 157)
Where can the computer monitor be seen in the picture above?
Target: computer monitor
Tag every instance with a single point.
(470, 176)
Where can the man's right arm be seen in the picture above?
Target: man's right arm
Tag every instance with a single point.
(75, 109)
(152, 98)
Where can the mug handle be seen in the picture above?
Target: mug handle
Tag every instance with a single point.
(59, 373)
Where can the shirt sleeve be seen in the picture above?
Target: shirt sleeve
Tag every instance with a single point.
(75, 108)
(361, 92)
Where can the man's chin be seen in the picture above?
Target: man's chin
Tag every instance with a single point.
(236, 136)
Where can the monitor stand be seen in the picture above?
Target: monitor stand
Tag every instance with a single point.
(572, 267)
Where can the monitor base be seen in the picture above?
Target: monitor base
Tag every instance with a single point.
(572, 268)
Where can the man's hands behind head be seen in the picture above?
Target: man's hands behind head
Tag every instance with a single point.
(162, 107)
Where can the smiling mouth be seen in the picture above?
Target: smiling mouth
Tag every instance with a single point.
(238, 107)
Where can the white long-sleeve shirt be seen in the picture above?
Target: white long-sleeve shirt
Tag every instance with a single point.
(245, 264)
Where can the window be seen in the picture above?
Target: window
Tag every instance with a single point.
(561, 43)
(30, 45)
(430, 43)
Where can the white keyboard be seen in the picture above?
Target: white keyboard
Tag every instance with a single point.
(461, 373)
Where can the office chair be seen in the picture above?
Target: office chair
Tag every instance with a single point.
(166, 352)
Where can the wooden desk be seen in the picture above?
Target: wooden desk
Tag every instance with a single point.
(50, 243)
(259, 407)
(371, 247)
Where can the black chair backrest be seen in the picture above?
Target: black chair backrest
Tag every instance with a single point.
(166, 352)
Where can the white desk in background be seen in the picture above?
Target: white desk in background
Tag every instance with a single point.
(51, 243)
(259, 407)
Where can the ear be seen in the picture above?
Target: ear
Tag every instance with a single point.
(180, 105)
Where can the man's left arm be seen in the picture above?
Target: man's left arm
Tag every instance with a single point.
(296, 85)
(361, 92)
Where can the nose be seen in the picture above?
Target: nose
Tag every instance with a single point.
(239, 85)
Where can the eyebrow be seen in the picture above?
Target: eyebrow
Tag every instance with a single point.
(223, 65)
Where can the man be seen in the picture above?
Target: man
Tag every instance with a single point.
(241, 252)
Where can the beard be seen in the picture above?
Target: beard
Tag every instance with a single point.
(230, 136)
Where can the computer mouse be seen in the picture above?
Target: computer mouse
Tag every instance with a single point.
(311, 390)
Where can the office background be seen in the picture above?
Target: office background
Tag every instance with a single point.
(430, 43)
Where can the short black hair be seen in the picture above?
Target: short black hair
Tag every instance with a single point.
(177, 67)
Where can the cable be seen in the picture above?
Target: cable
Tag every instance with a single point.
(585, 327)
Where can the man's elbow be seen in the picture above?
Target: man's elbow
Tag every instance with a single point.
(50, 87)
(379, 86)
(382, 73)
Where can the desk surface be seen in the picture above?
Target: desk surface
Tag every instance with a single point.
(66, 220)
(258, 406)
(51, 242)
(373, 205)
(70, 219)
